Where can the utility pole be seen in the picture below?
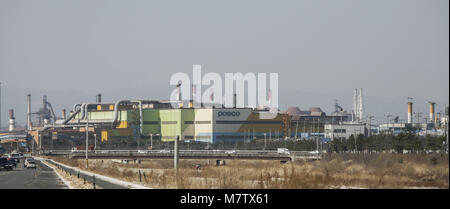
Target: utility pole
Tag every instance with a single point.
(265, 141)
(151, 140)
(87, 137)
(138, 141)
(176, 158)
(317, 139)
(418, 114)
(446, 125)
(32, 146)
(270, 134)
(387, 118)
(95, 142)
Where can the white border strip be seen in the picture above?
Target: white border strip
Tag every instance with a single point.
(102, 177)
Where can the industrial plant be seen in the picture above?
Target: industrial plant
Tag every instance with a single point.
(209, 124)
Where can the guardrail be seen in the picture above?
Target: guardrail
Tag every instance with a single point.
(187, 154)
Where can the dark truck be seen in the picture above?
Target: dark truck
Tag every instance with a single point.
(5, 164)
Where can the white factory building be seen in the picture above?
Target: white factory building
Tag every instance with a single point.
(345, 130)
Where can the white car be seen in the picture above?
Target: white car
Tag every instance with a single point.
(164, 151)
(230, 152)
(26, 161)
(31, 164)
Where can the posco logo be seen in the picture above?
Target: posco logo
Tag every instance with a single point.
(228, 113)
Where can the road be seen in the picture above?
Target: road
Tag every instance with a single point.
(43, 177)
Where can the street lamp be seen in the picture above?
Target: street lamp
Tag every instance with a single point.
(265, 141)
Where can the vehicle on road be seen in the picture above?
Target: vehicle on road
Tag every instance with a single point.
(5, 164)
(26, 161)
(13, 162)
(31, 164)
(284, 151)
(230, 152)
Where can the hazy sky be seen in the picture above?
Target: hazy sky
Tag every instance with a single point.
(322, 49)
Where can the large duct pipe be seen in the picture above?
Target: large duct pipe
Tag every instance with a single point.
(98, 98)
(75, 107)
(51, 110)
(12, 122)
(116, 112)
(82, 111)
(29, 112)
(86, 107)
(72, 115)
(410, 111)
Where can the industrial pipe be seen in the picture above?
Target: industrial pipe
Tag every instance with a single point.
(116, 110)
(86, 106)
(46, 127)
(71, 116)
(51, 109)
(75, 107)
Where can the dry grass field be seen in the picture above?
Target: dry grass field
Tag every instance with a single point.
(375, 171)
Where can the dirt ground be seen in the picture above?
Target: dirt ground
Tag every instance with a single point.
(332, 172)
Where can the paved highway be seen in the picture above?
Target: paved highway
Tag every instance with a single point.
(43, 177)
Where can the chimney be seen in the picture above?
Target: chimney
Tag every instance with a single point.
(410, 110)
(361, 104)
(432, 111)
(12, 122)
(64, 114)
(98, 98)
(355, 105)
(44, 102)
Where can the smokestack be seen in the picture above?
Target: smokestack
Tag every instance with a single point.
(234, 100)
(355, 105)
(432, 111)
(44, 102)
(64, 114)
(360, 104)
(29, 112)
(98, 98)
(410, 110)
(12, 122)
